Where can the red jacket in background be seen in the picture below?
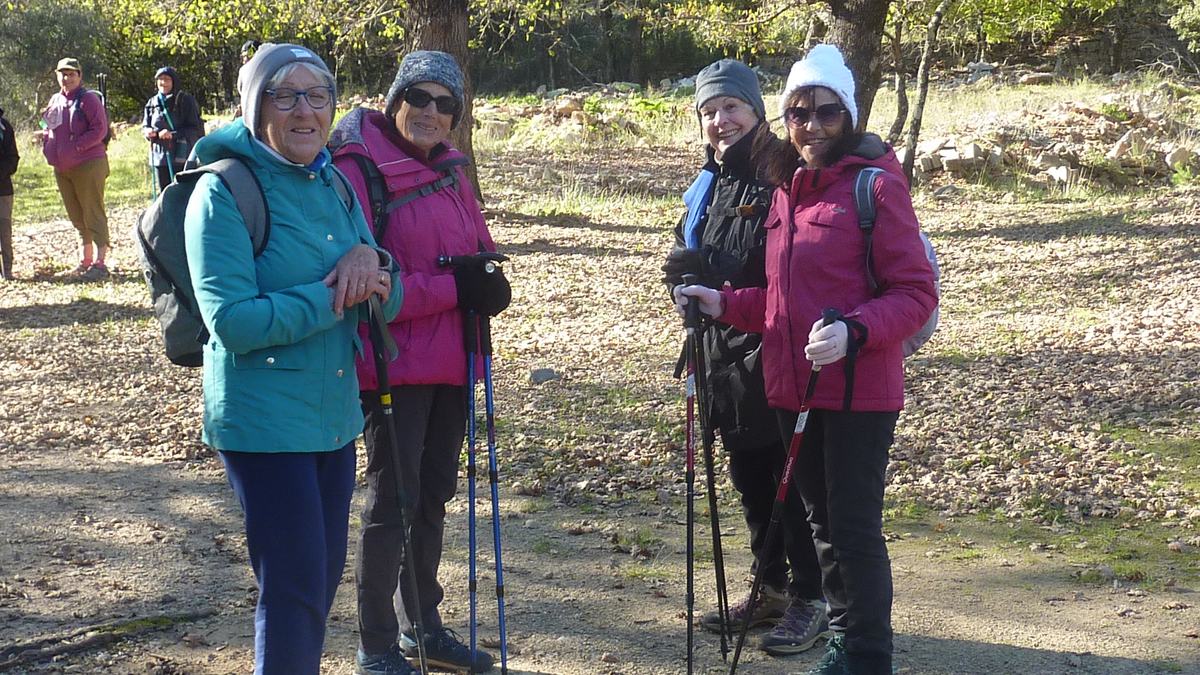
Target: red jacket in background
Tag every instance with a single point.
(429, 328)
(75, 134)
(816, 258)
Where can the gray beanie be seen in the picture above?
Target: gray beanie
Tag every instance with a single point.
(426, 66)
(258, 71)
(728, 77)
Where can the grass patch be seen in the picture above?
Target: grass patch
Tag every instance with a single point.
(648, 572)
(129, 182)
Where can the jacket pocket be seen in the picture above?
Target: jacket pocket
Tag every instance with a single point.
(831, 215)
(281, 357)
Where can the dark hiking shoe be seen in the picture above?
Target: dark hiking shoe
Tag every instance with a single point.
(803, 623)
(79, 269)
(95, 273)
(769, 609)
(835, 661)
(391, 662)
(445, 649)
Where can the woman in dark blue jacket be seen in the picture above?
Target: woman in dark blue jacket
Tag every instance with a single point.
(172, 124)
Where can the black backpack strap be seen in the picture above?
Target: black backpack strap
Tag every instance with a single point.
(248, 194)
(864, 203)
(376, 192)
(341, 185)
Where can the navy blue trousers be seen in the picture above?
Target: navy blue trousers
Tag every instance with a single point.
(297, 513)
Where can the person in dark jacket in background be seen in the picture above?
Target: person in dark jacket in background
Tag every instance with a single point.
(816, 260)
(721, 239)
(9, 157)
(172, 124)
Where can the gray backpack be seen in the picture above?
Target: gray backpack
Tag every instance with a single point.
(864, 202)
(160, 243)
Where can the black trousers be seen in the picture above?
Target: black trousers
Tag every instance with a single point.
(840, 473)
(162, 176)
(431, 423)
(756, 473)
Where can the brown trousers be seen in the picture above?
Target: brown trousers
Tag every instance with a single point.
(82, 190)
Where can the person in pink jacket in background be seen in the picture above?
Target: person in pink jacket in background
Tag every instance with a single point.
(428, 210)
(816, 260)
(74, 127)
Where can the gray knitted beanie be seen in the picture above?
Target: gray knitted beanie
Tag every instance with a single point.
(427, 66)
(258, 71)
(728, 77)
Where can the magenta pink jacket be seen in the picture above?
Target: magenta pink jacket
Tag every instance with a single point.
(429, 328)
(816, 260)
(74, 136)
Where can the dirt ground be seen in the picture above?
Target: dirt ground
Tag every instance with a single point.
(113, 512)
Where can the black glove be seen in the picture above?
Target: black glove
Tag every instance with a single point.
(683, 261)
(481, 287)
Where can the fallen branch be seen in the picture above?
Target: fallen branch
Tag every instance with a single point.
(89, 637)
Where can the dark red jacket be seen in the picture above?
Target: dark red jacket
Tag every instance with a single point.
(816, 260)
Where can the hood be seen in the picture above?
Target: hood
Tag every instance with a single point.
(234, 140)
(169, 72)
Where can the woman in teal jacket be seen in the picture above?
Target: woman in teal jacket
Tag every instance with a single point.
(280, 390)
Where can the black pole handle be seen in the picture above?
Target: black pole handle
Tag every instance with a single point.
(460, 260)
(691, 315)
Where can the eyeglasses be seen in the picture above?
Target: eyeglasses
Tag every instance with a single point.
(286, 99)
(826, 115)
(419, 98)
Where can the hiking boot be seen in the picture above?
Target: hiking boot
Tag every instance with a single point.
(95, 273)
(391, 662)
(445, 649)
(835, 661)
(80, 269)
(803, 623)
(767, 611)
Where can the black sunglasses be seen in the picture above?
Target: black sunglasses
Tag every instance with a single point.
(826, 115)
(419, 98)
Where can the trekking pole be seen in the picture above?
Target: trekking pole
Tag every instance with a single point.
(471, 334)
(690, 478)
(489, 406)
(698, 386)
(385, 347)
(781, 494)
(477, 336)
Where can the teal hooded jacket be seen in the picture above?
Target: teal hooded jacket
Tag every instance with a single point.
(279, 368)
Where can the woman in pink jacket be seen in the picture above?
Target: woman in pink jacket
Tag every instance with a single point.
(73, 134)
(422, 207)
(816, 259)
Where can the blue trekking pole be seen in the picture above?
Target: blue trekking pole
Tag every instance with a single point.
(478, 340)
(485, 330)
(472, 338)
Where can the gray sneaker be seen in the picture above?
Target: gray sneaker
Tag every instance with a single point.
(95, 273)
(768, 610)
(803, 623)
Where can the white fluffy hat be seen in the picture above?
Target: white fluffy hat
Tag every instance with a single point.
(823, 66)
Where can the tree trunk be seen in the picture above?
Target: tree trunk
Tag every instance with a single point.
(857, 29)
(914, 128)
(443, 25)
(635, 49)
(901, 83)
(606, 43)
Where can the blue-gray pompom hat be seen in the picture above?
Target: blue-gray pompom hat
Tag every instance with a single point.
(427, 66)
